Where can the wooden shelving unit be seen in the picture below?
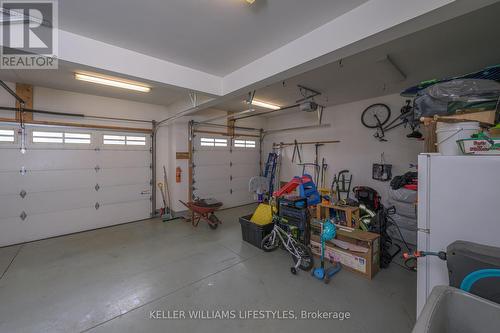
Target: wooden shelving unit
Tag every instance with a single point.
(349, 216)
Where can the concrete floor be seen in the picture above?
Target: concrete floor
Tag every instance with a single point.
(109, 280)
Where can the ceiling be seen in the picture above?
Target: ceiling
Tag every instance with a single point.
(63, 79)
(452, 48)
(214, 36)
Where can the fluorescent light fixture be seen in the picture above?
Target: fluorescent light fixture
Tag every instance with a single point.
(111, 82)
(266, 105)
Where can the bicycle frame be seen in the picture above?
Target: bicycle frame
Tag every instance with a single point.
(289, 244)
(403, 120)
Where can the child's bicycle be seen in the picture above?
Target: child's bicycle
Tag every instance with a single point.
(301, 254)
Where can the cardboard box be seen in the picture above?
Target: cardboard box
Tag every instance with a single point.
(365, 263)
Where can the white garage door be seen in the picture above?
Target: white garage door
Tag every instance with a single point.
(70, 180)
(222, 167)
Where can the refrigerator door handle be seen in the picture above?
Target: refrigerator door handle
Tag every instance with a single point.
(427, 231)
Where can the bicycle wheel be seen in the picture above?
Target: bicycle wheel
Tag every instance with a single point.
(374, 111)
(269, 244)
(306, 255)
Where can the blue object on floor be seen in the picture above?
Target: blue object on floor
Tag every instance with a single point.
(328, 232)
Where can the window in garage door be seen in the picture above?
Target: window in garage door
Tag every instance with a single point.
(7, 135)
(68, 180)
(222, 167)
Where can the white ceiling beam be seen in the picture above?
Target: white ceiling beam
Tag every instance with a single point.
(89, 52)
(369, 25)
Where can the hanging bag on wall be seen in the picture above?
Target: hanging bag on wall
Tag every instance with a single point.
(382, 171)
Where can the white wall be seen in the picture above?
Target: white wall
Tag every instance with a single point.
(358, 148)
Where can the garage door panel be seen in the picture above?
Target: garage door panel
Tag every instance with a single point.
(245, 163)
(224, 172)
(206, 193)
(238, 198)
(14, 230)
(246, 155)
(226, 200)
(124, 159)
(124, 193)
(9, 159)
(10, 206)
(212, 186)
(221, 196)
(35, 181)
(53, 224)
(109, 214)
(224, 197)
(46, 202)
(14, 161)
(60, 181)
(211, 172)
(239, 184)
(244, 170)
(59, 159)
(11, 182)
(45, 180)
(214, 157)
(111, 177)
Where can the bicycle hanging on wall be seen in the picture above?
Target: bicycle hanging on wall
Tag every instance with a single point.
(377, 116)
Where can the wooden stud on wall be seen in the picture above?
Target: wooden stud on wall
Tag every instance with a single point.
(182, 155)
(230, 127)
(429, 129)
(25, 91)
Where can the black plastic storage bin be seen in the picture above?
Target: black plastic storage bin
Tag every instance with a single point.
(254, 233)
(295, 216)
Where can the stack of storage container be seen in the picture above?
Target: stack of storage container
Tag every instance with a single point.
(405, 203)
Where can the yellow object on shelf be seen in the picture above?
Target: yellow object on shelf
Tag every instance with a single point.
(263, 215)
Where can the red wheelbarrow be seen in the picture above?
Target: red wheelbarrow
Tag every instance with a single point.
(201, 210)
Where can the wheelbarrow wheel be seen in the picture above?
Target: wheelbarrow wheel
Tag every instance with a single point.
(214, 221)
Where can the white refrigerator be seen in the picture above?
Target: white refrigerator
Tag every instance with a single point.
(458, 199)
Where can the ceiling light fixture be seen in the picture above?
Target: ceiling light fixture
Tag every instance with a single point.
(266, 105)
(250, 1)
(111, 82)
